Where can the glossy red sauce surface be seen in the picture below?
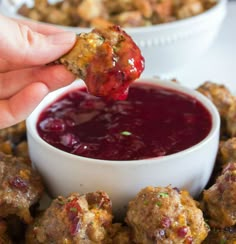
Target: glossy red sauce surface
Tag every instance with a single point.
(152, 122)
(114, 67)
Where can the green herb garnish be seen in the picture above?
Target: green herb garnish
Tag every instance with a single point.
(222, 241)
(73, 209)
(126, 133)
(145, 202)
(158, 204)
(163, 194)
(60, 201)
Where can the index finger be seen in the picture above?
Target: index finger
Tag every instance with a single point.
(39, 27)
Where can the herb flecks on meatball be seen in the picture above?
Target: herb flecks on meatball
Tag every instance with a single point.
(107, 59)
(75, 219)
(221, 236)
(165, 215)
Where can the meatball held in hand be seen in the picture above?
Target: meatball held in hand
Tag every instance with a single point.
(165, 215)
(76, 219)
(107, 60)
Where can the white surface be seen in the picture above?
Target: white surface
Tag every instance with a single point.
(64, 173)
(219, 63)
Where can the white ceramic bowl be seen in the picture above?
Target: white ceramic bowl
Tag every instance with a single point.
(168, 47)
(65, 173)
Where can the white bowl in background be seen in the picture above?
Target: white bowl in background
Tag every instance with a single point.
(64, 173)
(167, 47)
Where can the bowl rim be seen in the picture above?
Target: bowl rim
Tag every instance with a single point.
(214, 132)
(142, 29)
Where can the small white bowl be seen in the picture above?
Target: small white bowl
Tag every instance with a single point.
(167, 47)
(64, 173)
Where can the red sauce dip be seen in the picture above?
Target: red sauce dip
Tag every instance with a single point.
(152, 122)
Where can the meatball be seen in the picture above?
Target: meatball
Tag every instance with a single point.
(219, 202)
(227, 151)
(76, 219)
(20, 187)
(221, 97)
(12, 140)
(15, 133)
(102, 59)
(119, 234)
(230, 120)
(165, 215)
(221, 236)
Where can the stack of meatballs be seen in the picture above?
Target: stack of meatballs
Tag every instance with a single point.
(157, 214)
(219, 200)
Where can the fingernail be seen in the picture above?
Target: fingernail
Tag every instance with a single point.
(62, 38)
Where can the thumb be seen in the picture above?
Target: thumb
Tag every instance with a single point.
(23, 47)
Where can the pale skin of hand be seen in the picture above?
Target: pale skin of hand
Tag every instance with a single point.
(25, 78)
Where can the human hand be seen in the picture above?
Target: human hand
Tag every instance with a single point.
(25, 79)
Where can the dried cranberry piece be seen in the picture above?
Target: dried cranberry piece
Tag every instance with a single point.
(182, 231)
(165, 222)
(99, 200)
(221, 187)
(230, 177)
(73, 209)
(19, 183)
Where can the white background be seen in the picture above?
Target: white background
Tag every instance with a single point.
(219, 63)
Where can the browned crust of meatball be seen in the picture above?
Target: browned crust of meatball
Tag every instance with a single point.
(108, 61)
(21, 187)
(230, 120)
(227, 151)
(13, 140)
(75, 219)
(221, 236)
(218, 94)
(90, 45)
(119, 234)
(82, 53)
(222, 99)
(165, 215)
(4, 237)
(219, 202)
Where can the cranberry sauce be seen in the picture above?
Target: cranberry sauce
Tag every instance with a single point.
(152, 122)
